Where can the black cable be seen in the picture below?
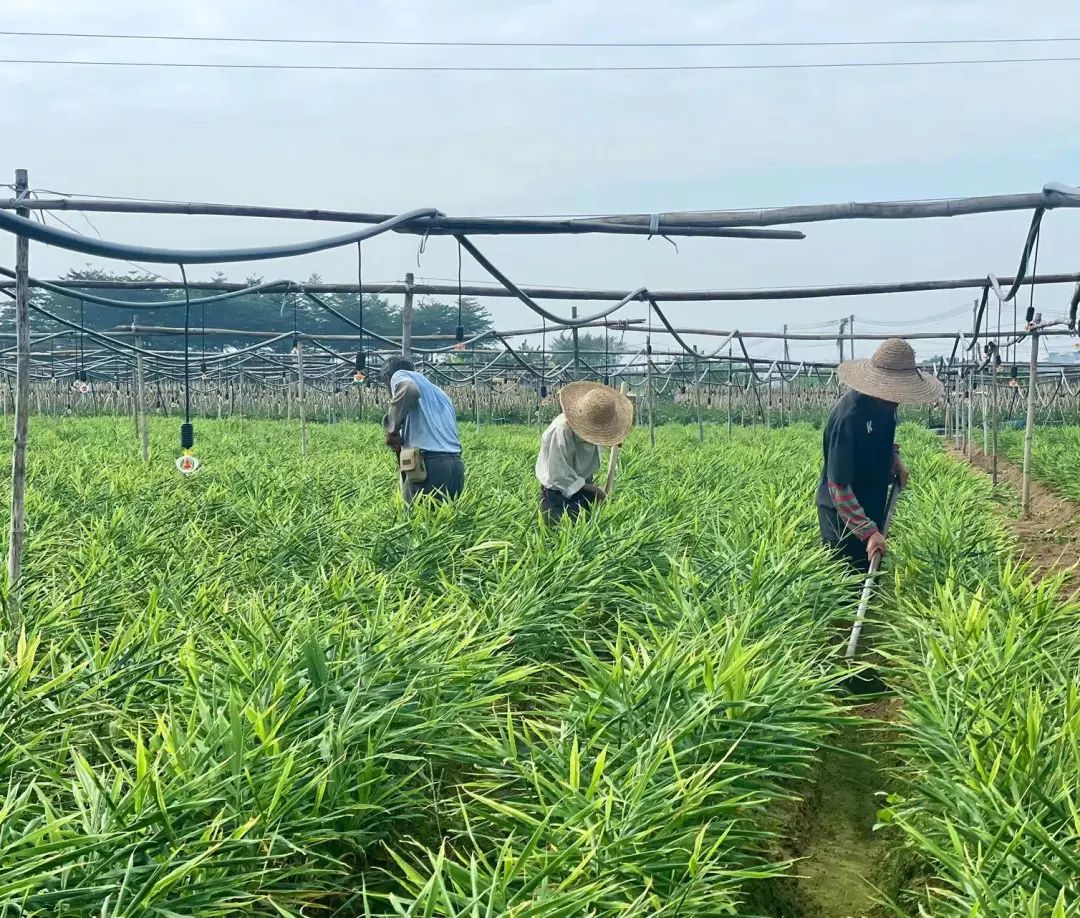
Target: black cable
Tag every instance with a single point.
(246, 39)
(529, 68)
(1029, 242)
(1031, 301)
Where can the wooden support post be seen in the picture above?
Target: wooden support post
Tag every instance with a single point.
(300, 398)
(650, 396)
(140, 398)
(475, 388)
(851, 332)
(787, 351)
(994, 422)
(781, 397)
(730, 372)
(240, 396)
(1029, 428)
(574, 338)
(697, 396)
(970, 416)
(407, 317)
(17, 531)
(985, 414)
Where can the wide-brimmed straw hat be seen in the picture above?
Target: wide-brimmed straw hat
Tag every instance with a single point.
(597, 413)
(891, 375)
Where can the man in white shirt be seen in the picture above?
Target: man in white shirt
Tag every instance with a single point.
(593, 415)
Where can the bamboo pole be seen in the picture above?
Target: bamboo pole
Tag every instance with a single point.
(140, 400)
(17, 531)
(613, 456)
(730, 371)
(476, 390)
(300, 398)
(407, 317)
(1029, 428)
(650, 395)
(985, 416)
(994, 421)
(697, 396)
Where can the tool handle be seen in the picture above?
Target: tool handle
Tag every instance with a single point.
(868, 585)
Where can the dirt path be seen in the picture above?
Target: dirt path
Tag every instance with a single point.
(844, 862)
(1050, 538)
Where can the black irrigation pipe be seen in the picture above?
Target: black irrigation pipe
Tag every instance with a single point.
(50, 235)
(487, 265)
(78, 293)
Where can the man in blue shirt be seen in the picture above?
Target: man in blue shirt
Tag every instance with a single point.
(421, 417)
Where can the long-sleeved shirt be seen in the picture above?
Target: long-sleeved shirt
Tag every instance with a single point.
(566, 462)
(422, 413)
(861, 459)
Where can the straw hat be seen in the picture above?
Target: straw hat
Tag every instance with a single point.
(891, 375)
(597, 413)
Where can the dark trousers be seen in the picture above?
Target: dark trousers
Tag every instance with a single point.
(445, 478)
(844, 546)
(554, 504)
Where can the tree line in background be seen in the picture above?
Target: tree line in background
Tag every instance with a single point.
(280, 312)
(267, 312)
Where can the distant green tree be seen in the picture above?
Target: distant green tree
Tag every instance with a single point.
(264, 312)
(430, 317)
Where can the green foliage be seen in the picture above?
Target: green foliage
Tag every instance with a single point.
(258, 312)
(985, 660)
(264, 690)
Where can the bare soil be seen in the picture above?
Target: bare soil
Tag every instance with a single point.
(1050, 537)
(845, 866)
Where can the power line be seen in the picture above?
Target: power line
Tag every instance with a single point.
(543, 44)
(536, 69)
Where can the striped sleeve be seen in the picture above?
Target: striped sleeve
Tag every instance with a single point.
(851, 512)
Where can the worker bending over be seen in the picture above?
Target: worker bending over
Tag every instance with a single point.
(421, 429)
(593, 415)
(860, 452)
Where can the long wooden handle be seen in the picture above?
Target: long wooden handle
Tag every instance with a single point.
(613, 458)
(868, 586)
(613, 461)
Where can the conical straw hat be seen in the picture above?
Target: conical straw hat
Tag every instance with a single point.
(597, 413)
(891, 375)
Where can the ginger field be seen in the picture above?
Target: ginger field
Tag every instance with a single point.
(265, 690)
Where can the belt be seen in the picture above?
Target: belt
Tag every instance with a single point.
(435, 455)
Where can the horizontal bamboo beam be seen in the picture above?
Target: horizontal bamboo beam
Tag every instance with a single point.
(599, 294)
(1052, 196)
(615, 326)
(433, 226)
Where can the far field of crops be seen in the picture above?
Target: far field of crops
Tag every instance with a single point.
(1055, 456)
(264, 690)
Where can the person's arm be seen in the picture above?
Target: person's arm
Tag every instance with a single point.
(404, 397)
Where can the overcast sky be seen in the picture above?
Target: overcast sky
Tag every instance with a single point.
(566, 143)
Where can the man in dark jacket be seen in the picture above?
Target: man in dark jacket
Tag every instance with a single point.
(861, 457)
